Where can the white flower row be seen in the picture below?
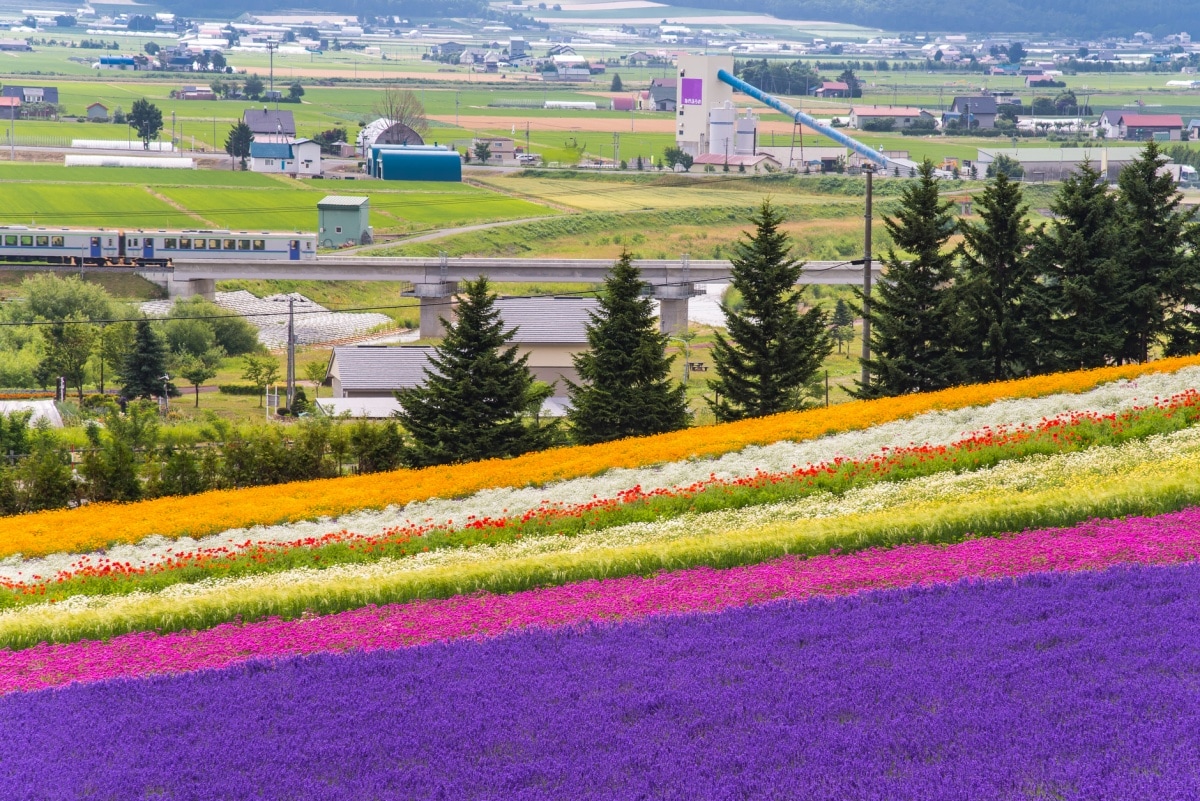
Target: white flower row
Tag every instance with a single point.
(903, 499)
(933, 428)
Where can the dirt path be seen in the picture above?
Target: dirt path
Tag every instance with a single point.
(180, 208)
(432, 235)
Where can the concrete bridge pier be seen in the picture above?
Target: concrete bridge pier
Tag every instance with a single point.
(673, 306)
(435, 301)
(186, 288)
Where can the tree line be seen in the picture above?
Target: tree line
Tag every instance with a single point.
(132, 457)
(1113, 278)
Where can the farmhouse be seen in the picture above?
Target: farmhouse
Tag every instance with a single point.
(269, 125)
(501, 149)
(833, 89)
(899, 117)
(299, 158)
(10, 108)
(973, 112)
(32, 94)
(365, 380)
(1144, 127)
(663, 95)
(759, 162)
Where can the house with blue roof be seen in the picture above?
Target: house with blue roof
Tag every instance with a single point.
(298, 158)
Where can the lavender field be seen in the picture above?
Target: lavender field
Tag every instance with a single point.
(1066, 686)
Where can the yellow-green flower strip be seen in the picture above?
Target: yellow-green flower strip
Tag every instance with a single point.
(1146, 477)
(98, 526)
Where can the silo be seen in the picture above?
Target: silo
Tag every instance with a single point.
(746, 129)
(720, 129)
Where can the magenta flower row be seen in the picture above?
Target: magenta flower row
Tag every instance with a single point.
(1166, 539)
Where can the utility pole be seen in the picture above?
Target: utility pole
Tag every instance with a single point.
(616, 149)
(456, 110)
(869, 171)
(291, 355)
(271, 53)
(527, 151)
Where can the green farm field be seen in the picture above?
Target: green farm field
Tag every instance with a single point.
(109, 197)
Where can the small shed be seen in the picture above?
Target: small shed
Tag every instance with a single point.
(97, 111)
(343, 219)
(410, 164)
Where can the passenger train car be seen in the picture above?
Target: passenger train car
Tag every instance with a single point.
(148, 248)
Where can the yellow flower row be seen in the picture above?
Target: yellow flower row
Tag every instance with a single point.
(100, 525)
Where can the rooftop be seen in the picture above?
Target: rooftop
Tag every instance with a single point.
(342, 202)
(547, 320)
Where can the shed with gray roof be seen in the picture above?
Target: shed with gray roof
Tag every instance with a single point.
(376, 371)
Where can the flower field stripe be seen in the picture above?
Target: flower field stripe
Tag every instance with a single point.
(1069, 685)
(1095, 545)
(155, 564)
(98, 526)
(1150, 477)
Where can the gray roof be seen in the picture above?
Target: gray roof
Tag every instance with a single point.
(547, 320)
(983, 104)
(380, 368)
(342, 202)
(269, 121)
(1068, 155)
(49, 93)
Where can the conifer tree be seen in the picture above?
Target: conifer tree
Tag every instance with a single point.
(1153, 234)
(770, 355)
(145, 365)
(626, 388)
(913, 314)
(993, 287)
(474, 402)
(1077, 299)
(842, 324)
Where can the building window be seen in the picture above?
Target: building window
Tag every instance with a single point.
(337, 230)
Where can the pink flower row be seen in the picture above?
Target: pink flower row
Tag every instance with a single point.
(1166, 539)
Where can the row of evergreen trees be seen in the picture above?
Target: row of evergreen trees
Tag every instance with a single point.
(480, 400)
(1113, 278)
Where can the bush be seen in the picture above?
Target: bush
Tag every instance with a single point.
(237, 389)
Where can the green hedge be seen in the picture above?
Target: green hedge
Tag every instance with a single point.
(237, 389)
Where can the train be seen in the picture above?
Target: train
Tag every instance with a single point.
(148, 248)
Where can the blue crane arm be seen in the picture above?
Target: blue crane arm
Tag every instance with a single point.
(799, 116)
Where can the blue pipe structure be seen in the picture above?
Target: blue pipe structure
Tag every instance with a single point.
(799, 116)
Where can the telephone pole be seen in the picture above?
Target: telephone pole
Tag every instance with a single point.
(869, 170)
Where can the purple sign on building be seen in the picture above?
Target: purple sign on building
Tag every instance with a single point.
(691, 92)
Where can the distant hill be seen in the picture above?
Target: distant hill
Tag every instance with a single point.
(1063, 17)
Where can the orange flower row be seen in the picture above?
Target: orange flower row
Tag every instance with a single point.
(99, 525)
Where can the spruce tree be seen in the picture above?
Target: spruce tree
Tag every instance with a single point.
(1153, 234)
(1077, 298)
(626, 388)
(993, 287)
(770, 356)
(476, 394)
(913, 314)
(145, 365)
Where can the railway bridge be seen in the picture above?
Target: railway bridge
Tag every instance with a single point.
(435, 280)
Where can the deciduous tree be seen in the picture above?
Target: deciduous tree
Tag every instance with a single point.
(237, 143)
(146, 119)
